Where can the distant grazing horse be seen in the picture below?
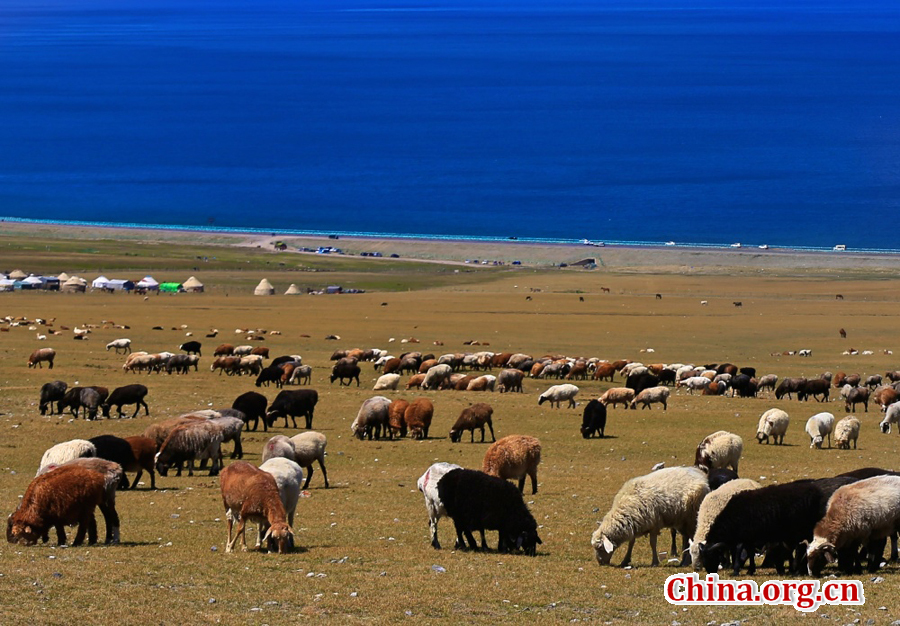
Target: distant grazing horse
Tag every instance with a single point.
(839, 297)
(604, 289)
(843, 333)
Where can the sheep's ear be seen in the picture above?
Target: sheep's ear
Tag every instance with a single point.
(608, 545)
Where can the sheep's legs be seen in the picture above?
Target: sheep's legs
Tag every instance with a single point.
(111, 519)
(433, 524)
(230, 522)
(60, 535)
(627, 558)
(674, 547)
(653, 536)
(324, 473)
(533, 474)
(685, 550)
(491, 426)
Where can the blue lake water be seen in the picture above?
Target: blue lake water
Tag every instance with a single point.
(767, 122)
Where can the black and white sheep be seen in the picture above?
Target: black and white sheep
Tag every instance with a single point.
(427, 484)
(712, 505)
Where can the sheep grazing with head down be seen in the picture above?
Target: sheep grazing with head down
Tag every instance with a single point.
(371, 418)
(288, 476)
(387, 382)
(510, 380)
(427, 484)
(773, 423)
(418, 416)
(617, 395)
(818, 427)
(718, 450)
(303, 449)
(250, 494)
(845, 431)
(557, 394)
(667, 498)
(653, 395)
(710, 508)
(66, 451)
(193, 439)
(514, 457)
(593, 420)
(396, 419)
(891, 416)
(50, 393)
(476, 416)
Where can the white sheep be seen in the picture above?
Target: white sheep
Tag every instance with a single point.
(818, 427)
(720, 449)
(371, 418)
(65, 452)
(667, 498)
(387, 382)
(695, 383)
(559, 393)
(629, 368)
(845, 431)
(617, 395)
(891, 416)
(712, 505)
(310, 446)
(653, 395)
(288, 476)
(302, 372)
(427, 484)
(436, 375)
(119, 344)
(242, 350)
(773, 423)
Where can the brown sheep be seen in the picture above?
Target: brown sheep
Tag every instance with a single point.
(225, 349)
(472, 417)
(605, 371)
(191, 440)
(510, 380)
(396, 420)
(391, 366)
(250, 494)
(426, 365)
(263, 352)
(418, 417)
(460, 382)
(885, 396)
(227, 364)
(68, 495)
(514, 457)
(500, 360)
(578, 371)
(620, 364)
(415, 381)
(40, 356)
(537, 369)
(144, 450)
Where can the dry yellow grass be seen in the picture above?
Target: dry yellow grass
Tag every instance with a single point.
(364, 546)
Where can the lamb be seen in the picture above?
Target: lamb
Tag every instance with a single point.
(288, 476)
(396, 420)
(712, 505)
(510, 380)
(346, 368)
(845, 431)
(515, 457)
(652, 395)
(559, 393)
(436, 376)
(300, 402)
(818, 427)
(418, 416)
(50, 393)
(718, 450)
(129, 394)
(371, 418)
(428, 485)
(478, 502)
(66, 451)
(67, 495)
(41, 356)
(593, 420)
(855, 396)
(253, 406)
(387, 382)
(857, 513)
(617, 395)
(667, 498)
(415, 381)
(188, 441)
(773, 423)
(120, 344)
(250, 494)
(476, 416)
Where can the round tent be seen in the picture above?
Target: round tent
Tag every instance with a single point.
(147, 283)
(18, 275)
(7, 284)
(73, 285)
(264, 288)
(293, 290)
(63, 277)
(192, 284)
(100, 282)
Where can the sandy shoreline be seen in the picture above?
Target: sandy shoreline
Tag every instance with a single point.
(667, 259)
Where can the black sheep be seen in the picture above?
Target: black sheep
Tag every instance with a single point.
(779, 515)
(72, 399)
(129, 394)
(667, 377)
(639, 382)
(594, 419)
(476, 501)
(271, 374)
(789, 386)
(181, 363)
(349, 369)
(815, 387)
(253, 406)
(291, 404)
(50, 393)
(749, 371)
(282, 359)
(720, 476)
(743, 385)
(191, 347)
(117, 450)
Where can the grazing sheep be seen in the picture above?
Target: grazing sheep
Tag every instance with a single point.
(242, 350)
(514, 457)
(891, 416)
(718, 450)
(415, 381)
(396, 420)
(427, 484)
(387, 382)
(855, 396)
(482, 383)
(40, 356)
(288, 476)
(66, 451)
(476, 416)
(858, 513)
(50, 393)
(251, 494)
(667, 498)
(845, 431)
(436, 376)
(558, 394)
(593, 420)
(510, 380)
(302, 374)
(191, 440)
(129, 394)
(120, 344)
(253, 406)
(68, 495)
(712, 505)
(789, 386)
(231, 422)
(885, 396)
(695, 383)
(278, 446)
(144, 452)
(371, 418)
(346, 368)
(89, 400)
(479, 502)
(815, 388)
(309, 447)
(818, 427)
(650, 396)
(300, 402)
(604, 371)
(773, 423)
(617, 395)
(418, 416)
(767, 382)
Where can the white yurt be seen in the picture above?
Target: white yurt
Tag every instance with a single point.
(264, 288)
(192, 285)
(148, 283)
(293, 290)
(18, 275)
(100, 282)
(63, 278)
(74, 285)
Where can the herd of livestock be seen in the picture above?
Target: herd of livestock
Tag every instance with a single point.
(847, 518)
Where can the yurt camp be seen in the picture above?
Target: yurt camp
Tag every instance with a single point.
(192, 285)
(264, 288)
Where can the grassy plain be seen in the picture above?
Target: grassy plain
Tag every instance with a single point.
(364, 552)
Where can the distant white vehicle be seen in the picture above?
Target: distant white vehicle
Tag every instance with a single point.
(765, 246)
(735, 245)
(840, 248)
